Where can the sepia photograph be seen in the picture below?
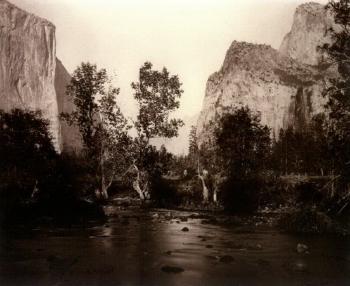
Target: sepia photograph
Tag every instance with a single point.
(174, 142)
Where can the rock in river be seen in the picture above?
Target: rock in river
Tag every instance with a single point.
(172, 269)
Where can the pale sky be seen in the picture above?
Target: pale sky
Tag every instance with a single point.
(189, 37)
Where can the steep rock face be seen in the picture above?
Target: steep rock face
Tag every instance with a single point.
(27, 64)
(70, 137)
(309, 31)
(284, 92)
(284, 87)
(29, 75)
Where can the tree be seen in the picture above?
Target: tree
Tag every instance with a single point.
(193, 143)
(101, 123)
(303, 151)
(26, 151)
(194, 155)
(242, 149)
(243, 143)
(338, 92)
(157, 94)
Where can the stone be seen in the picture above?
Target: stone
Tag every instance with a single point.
(172, 269)
(185, 229)
(226, 259)
(302, 248)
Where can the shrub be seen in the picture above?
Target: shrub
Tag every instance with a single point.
(241, 195)
(307, 221)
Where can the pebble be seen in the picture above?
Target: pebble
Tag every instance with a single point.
(226, 259)
(302, 248)
(185, 229)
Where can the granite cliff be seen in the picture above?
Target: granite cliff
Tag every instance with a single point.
(30, 75)
(309, 30)
(284, 86)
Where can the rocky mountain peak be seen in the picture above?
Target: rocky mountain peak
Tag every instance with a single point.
(19, 16)
(284, 86)
(309, 32)
(249, 56)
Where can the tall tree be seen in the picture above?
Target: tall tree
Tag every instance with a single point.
(157, 94)
(243, 143)
(242, 148)
(101, 123)
(338, 92)
(193, 144)
(26, 151)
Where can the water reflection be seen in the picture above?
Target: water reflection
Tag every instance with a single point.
(132, 248)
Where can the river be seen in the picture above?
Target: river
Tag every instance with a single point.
(166, 247)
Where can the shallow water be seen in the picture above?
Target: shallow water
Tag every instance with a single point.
(142, 248)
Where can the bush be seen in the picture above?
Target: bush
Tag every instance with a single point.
(190, 190)
(26, 153)
(307, 221)
(164, 192)
(241, 195)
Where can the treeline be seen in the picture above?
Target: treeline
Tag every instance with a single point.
(304, 152)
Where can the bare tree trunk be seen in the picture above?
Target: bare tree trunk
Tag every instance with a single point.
(205, 191)
(35, 190)
(105, 186)
(215, 195)
(143, 193)
(103, 193)
(219, 179)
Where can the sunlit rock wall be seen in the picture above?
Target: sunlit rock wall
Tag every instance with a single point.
(310, 30)
(70, 137)
(284, 87)
(29, 75)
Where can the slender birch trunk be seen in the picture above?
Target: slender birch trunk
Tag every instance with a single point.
(143, 193)
(215, 195)
(205, 191)
(105, 184)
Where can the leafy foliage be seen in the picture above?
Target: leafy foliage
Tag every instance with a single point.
(25, 143)
(243, 143)
(338, 92)
(235, 157)
(101, 123)
(157, 94)
(303, 151)
(27, 156)
(86, 84)
(193, 144)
